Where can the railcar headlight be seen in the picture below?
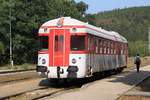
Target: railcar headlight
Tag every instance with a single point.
(43, 61)
(74, 61)
(74, 29)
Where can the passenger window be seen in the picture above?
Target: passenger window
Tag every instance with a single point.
(101, 46)
(96, 45)
(43, 41)
(88, 43)
(77, 42)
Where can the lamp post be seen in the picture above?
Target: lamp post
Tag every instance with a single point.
(10, 39)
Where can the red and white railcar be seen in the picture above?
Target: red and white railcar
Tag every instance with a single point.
(74, 49)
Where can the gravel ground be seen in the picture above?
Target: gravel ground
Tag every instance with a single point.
(4, 78)
(19, 87)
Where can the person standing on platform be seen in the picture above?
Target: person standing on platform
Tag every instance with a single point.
(137, 61)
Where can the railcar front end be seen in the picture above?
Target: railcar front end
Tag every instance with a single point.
(62, 54)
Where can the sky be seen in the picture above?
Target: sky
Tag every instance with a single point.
(96, 6)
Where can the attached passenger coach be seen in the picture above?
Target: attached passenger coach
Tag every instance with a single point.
(70, 48)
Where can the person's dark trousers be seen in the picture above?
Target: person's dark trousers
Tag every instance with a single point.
(138, 67)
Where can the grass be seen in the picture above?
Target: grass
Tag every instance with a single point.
(18, 67)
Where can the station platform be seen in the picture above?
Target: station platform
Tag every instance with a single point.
(108, 88)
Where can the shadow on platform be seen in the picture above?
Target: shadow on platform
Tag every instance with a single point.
(134, 78)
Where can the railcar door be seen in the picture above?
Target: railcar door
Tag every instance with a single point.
(59, 41)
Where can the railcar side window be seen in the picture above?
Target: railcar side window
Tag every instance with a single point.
(77, 42)
(101, 46)
(43, 42)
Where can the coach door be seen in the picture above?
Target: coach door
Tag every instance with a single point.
(60, 53)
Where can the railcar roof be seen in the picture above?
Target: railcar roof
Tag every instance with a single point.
(98, 31)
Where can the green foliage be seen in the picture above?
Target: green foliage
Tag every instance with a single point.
(27, 17)
(90, 18)
(82, 7)
(132, 23)
(1, 48)
(140, 47)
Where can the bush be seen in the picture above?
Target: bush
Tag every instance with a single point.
(140, 47)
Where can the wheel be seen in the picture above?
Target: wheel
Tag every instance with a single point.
(120, 70)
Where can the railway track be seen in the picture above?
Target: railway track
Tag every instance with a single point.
(13, 76)
(14, 71)
(13, 80)
(41, 91)
(46, 89)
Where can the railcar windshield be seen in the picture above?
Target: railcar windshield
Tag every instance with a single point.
(43, 42)
(59, 40)
(77, 42)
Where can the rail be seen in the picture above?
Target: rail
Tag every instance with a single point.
(14, 71)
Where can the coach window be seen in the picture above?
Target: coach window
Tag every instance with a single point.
(77, 42)
(111, 47)
(105, 47)
(43, 42)
(121, 49)
(115, 47)
(96, 45)
(100, 46)
(88, 43)
(108, 47)
(124, 49)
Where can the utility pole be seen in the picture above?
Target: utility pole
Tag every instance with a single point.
(10, 39)
(149, 40)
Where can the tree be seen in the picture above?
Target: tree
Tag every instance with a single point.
(1, 48)
(27, 17)
(82, 7)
